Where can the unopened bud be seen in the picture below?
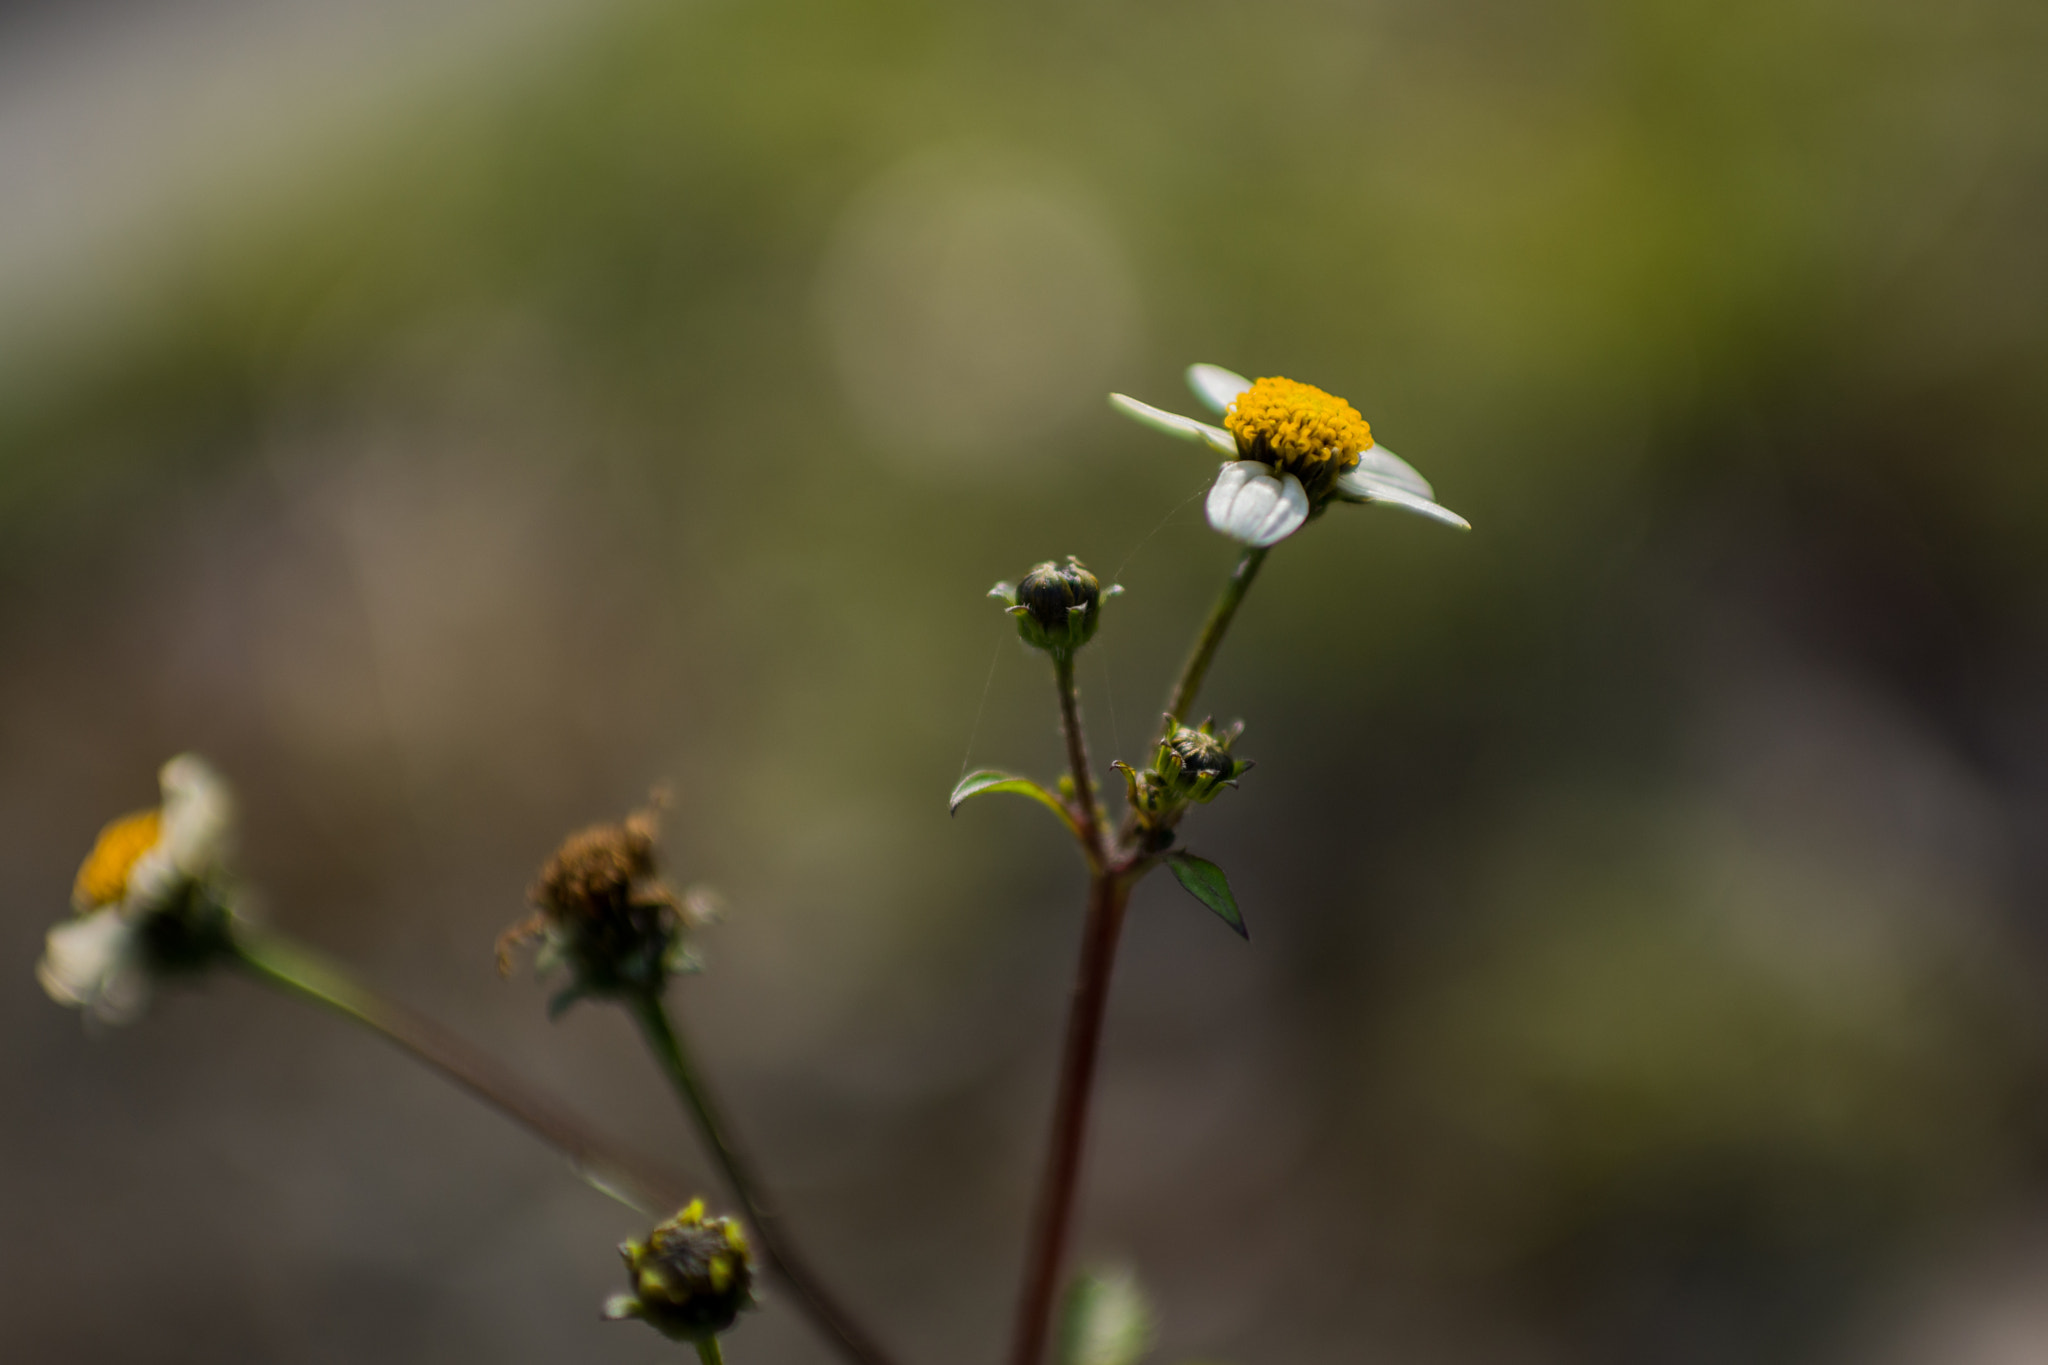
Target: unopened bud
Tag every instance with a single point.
(1192, 765)
(1197, 763)
(1057, 606)
(690, 1279)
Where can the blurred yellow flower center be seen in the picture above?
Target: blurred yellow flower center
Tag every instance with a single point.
(1313, 435)
(103, 879)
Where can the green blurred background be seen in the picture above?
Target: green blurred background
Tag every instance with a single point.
(454, 419)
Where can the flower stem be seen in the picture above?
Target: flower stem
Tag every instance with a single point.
(1114, 871)
(1077, 759)
(777, 1249)
(1196, 668)
(1108, 896)
(299, 971)
(709, 1352)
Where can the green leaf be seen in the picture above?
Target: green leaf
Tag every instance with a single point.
(990, 780)
(1206, 883)
(1107, 1321)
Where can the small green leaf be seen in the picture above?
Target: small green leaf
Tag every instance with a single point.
(994, 780)
(1206, 883)
(1107, 1321)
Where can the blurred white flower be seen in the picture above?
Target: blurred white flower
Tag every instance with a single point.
(142, 866)
(1291, 449)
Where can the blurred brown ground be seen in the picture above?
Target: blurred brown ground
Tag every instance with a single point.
(453, 434)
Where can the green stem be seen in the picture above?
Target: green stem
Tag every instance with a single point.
(1182, 699)
(1077, 759)
(709, 1353)
(777, 1249)
(1052, 1221)
(299, 971)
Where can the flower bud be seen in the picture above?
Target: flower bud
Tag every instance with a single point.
(1197, 763)
(605, 912)
(1057, 606)
(1192, 766)
(691, 1278)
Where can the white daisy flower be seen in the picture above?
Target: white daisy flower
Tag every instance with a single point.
(142, 866)
(1290, 450)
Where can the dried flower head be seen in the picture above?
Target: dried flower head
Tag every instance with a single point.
(149, 898)
(691, 1278)
(603, 909)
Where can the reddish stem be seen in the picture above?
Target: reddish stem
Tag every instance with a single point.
(1087, 811)
(1108, 895)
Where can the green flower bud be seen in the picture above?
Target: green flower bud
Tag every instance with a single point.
(691, 1278)
(1197, 763)
(1057, 606)
(1192, 766)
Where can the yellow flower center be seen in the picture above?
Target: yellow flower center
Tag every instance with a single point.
(1312, 435)
(103, 878)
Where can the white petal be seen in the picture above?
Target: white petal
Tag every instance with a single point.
(1249, 502)
(1379, 465)
(81, 956)
(153, 882)
(1383, 476)
(1173, 424)
(1408, 502)
(199, 815)
(1216, 386)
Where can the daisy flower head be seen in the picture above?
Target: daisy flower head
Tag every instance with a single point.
(1290, 450)
(149, 897)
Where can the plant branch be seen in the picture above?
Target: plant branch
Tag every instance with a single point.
(709, 1353)
(1182, 699)
(777, 1248)
(1114, 871)
(1108, 896)
(299, 971)
(1077, 761)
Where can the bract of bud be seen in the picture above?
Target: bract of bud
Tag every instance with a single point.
(691, 1278)
(1057, 605)
(1193, 765)
(604, 911)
